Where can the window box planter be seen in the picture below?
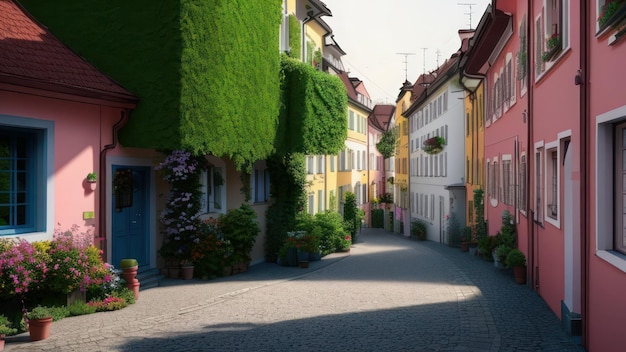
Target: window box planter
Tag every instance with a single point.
(613, 15)
(434, 145)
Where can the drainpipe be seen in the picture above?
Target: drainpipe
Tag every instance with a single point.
(102, 239)
(531, 154)
(584, 166)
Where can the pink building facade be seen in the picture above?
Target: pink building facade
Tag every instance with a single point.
(603, 106)
(378, 123)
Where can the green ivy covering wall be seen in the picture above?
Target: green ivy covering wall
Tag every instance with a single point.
(138, 44)
(206, 72)
(230, 78)
(295, 32)
(315, 109)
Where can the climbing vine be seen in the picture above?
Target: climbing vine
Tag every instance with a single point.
(294, 37)
(387, 144)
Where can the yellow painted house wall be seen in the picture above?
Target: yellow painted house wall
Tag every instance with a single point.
(345, 178)
(401, 181)
(474, 148)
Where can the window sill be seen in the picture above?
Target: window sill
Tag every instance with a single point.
(616, 259)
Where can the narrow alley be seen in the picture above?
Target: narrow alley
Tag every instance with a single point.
(389, 293)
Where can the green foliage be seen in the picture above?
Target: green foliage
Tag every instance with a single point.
(59, 312)
(502, 251)
(480, 227)
(6, 328)
(515, 258)
(486, 246)
(332, 231)
(39, 312)
(81, 308)
(454, 230)
(240, 228)
(295, 34)
(230, 91)
(287, 188)
(315, 108)
(387, 144)
(418, 230)
(206, 72)
(378, 218)
(350, 214)
(139, 46)
(126, 294)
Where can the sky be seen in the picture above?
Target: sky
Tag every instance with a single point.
(374, 33)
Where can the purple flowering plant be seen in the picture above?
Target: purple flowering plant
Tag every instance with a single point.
(23, 267)
(180, 222)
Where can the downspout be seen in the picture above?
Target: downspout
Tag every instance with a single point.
(303, 39)
(584, 167)
(102, 239)
(531, 153)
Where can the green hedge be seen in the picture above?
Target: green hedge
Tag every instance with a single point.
(206, 72)
(315, 109)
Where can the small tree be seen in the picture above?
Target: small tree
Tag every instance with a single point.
(387, 144)
(351, 214)
(479, 230)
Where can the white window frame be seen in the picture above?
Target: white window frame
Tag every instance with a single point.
(507, 189)
(605, 206)
(523, 184)
(259, 182)
(210, 200)
(550, 176)
(538, 196)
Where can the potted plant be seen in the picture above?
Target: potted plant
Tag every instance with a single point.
(517, 260)
(129, 272)
(553, 46)
(612, 13)
(92, 177)
(240, 228)
(39, 323)
(418, 230)
(5, 329)
(434, 145)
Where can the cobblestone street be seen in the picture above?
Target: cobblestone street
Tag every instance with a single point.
(388, 294)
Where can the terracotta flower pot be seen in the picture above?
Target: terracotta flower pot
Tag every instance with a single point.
(39, 329)
(186, 272)
(519, 274)
(130, 276)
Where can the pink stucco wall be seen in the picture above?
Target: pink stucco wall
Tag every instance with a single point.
(607, 283)
(556, 115)
(80, 130)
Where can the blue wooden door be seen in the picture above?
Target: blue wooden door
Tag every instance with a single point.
(129, 235)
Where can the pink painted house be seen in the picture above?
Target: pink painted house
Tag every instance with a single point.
(603, 110)
(554, 142)
(378, 123)
(58, 120)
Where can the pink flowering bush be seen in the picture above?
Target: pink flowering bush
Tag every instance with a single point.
(68, 262)
(74, 262)
(23, 268)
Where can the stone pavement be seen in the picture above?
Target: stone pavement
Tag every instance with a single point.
(389, 293)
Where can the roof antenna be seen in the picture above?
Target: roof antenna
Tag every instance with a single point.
(468, 13)
(406, 64)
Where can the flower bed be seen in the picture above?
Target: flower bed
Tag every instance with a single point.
(44, 272)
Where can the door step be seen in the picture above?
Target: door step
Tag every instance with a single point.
(149, 278)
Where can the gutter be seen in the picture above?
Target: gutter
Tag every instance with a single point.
(102, 239)
(584, 167)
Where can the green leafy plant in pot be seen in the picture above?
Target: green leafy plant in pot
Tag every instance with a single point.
(39, 323)
(517, 260)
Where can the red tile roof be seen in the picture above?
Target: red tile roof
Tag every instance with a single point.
(31, 56)
(381, 116)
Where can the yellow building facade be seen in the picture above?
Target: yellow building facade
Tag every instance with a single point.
(474, 148)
